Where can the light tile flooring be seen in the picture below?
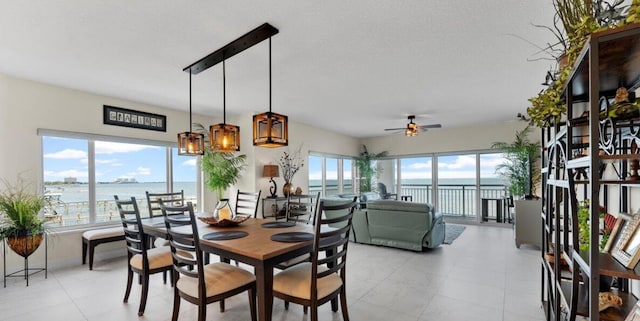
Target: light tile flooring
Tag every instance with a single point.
(480, 277)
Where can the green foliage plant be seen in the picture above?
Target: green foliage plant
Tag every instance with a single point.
(222, 170)
(364, 163)
(584, 228)
(519, 167)
(20, 209)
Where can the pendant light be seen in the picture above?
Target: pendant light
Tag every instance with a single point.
(190, 143)
(270, 129)
(224, 137)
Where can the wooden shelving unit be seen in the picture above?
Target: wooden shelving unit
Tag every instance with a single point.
(572, 162)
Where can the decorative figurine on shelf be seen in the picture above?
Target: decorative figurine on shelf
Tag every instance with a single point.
(624, 106)
(298, 191)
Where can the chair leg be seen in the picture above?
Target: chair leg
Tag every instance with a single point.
(84, 252)
(252, 303)
(129, 281)
(314, 311)
(176, 305)
(145, 292)
(305, 309)
(164, 277)
(222, 305)
(286, 305)
(202, 312)
(343, 305)
(334, 304)
(92, 247)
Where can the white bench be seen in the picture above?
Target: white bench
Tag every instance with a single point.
(92, 238)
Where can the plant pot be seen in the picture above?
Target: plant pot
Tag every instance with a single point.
(24, 243)
(286, 189)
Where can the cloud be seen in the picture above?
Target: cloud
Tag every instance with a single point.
(140, 171)
(112, 148)
(315, 175)
(191, 162)
(416, 175)
(426, 165)
(66, 173)
(461, 162)
(112, 162)
(67, 154)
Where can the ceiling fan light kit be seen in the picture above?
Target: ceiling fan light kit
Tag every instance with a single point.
(412, 128)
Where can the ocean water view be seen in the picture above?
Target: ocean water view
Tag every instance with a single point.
(70, 193)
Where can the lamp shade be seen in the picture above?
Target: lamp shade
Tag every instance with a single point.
(270, 130)
(224, 138)
(270, 171)
(190, 144)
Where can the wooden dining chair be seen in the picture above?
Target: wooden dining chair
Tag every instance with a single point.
(302, 208)
(207, 283)
(314, 283)
(153, 203)
(247, 203)
(141, 259)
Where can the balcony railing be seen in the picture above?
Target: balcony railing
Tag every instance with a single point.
(455, 200)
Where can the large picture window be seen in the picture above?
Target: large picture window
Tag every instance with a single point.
(82, 175)
(330, 174)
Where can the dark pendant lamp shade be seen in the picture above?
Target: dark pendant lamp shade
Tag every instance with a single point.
(270, 129)
(224, 137)
(190, 143)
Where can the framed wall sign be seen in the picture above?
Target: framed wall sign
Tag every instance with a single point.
(616, 232)
(132, 118)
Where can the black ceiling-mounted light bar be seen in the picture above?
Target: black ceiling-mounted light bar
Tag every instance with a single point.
(248, 40)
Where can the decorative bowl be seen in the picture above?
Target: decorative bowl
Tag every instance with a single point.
(224, 222)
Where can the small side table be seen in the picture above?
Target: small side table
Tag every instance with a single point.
(406, 198)
(27, 271)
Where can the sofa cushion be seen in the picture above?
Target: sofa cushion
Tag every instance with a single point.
(393, 205)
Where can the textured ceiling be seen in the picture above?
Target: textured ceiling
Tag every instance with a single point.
(354, 67)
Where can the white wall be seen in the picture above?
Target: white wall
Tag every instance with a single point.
(26, 106)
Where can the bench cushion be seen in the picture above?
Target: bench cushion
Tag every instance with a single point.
(103, 233)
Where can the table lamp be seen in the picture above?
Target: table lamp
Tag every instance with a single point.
(271, 171)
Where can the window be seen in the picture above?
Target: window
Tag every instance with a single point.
(456, 194)
(330, 174)
(416, 179)
(81, 175)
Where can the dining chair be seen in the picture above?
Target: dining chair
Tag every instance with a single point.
(314, 283)
(153, 203)
(247, 203)
(302, 208)
(207, 283)
(140, 259)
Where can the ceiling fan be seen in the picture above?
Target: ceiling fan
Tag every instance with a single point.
(412, 128)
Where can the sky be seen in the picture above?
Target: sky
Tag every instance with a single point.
(65, 157)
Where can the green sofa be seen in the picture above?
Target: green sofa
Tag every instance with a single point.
(405, 225)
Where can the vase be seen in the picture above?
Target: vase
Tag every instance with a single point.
(24, 243)
(286, 189)
(223, 210)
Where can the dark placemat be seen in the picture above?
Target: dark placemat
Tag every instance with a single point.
(292, 237)
(277, 224)
(225, 235)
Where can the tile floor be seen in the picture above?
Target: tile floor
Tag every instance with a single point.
(480, 277)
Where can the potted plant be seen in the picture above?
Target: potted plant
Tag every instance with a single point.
(20, 221)
(364, 163)
(519, 166)
(578, 19)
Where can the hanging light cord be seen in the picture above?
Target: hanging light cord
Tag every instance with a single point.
(190, 121)
(269, 74)
(224, 95)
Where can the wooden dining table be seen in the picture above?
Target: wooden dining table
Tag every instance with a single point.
(256, 249)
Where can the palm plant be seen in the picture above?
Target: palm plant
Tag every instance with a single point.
(518, 167)
(367, 171)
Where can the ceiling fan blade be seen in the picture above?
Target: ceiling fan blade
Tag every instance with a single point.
(403, 128)
(431, 126)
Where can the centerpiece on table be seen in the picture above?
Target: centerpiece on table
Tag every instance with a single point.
(290, 164)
